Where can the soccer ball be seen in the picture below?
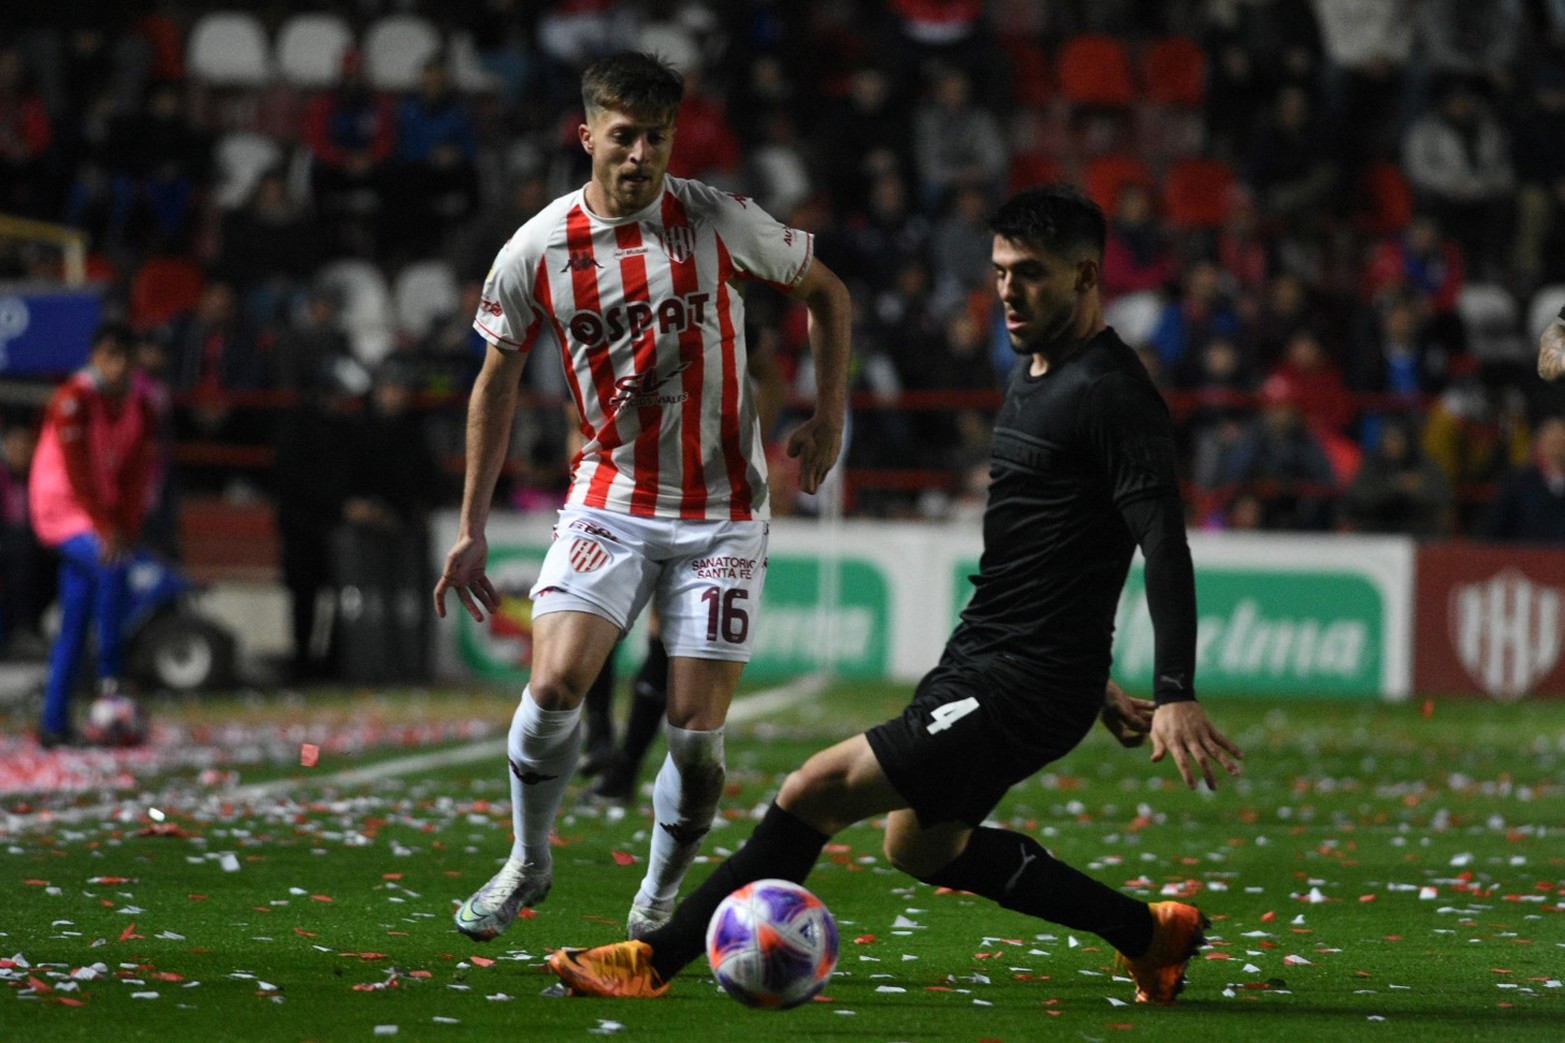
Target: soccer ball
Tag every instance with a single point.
(772, 944)
(115, 719)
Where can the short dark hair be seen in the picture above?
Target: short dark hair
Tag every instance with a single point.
(632, 82)
(114, 336)
(1058, 218)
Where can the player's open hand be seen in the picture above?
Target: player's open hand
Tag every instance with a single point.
(815, 443)
(1127, 719)
(464, 573)
(1182, 731)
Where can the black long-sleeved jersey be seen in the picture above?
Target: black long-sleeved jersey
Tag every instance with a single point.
(1082, 469)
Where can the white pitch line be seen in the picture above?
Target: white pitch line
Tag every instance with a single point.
(744, 710)
(750, 708)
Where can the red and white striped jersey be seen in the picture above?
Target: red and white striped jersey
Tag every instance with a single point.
(652, 331)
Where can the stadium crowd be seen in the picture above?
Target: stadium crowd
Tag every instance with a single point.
(1336, 227)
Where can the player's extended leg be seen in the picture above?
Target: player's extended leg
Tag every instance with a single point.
(1015, 871)
(569, 649)
(688, 786)
(836, 788)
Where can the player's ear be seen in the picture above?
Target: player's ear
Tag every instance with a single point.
(584, 133)
(1088, 273)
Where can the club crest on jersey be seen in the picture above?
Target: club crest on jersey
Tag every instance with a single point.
(587, 555)
(679, 242)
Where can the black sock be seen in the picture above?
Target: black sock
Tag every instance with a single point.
(1015, 871)
(782, 846)
(648, 705)
(598, 709)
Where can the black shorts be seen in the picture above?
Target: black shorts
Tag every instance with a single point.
(975, 729)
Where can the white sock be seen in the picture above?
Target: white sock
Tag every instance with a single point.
(684, 800)
(543, 748)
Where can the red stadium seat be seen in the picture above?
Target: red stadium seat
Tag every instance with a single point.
(1095, 70)
(1198, 193)
(1387, 205)
(1173, 71)
(1106, 175)
(1029, 71)
(164, 289)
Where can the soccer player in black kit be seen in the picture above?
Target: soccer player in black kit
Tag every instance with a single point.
(1083, 471)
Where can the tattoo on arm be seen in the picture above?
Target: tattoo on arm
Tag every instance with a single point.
(1551, 351)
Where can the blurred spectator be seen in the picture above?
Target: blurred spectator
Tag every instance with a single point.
(26, 137)
(1137, 254)
(960, 248)
(435, 179)
(1530, 507)
(952, 33)
(862, 139)
(1318, 388)
(776, 169)
(23, 592)
(446, 360)
(310, 484)
(471, 248)
(312, 350)
(392, 478)
(1200, 311)
(214, 349)
(1538, 151)
(708, 146)
(1478, 42)
(956, 142)
(1418, 260)
(1458, 160)
(350, 132)
(1245, 247)
(1279, 462)
(1285, 309)
(1292, 164)
(877, 242)
(1367, 46)
(1477, 429)
(269, 249)
(1398, 489)
(88, 494)
(1221, 387)
(214, 353)
(160, 531)
(155, 165)
(1398, 352)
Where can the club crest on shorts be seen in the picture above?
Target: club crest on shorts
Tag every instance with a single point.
(587, 555)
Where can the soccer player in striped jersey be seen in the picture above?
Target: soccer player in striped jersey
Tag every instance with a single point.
(635, 279)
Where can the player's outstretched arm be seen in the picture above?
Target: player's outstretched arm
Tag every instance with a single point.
(818, 440)
(1127, 718)
(1181, 730)
(490, 410)
(1551, 351)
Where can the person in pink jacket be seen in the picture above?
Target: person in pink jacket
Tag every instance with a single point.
(88, 494)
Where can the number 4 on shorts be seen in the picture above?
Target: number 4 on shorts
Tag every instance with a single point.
(943, 717)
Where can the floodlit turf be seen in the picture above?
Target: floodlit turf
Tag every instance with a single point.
(1378, 874)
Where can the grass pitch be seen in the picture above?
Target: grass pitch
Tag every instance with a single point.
(1386, 873)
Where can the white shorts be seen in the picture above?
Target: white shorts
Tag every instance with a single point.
(703, 577)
